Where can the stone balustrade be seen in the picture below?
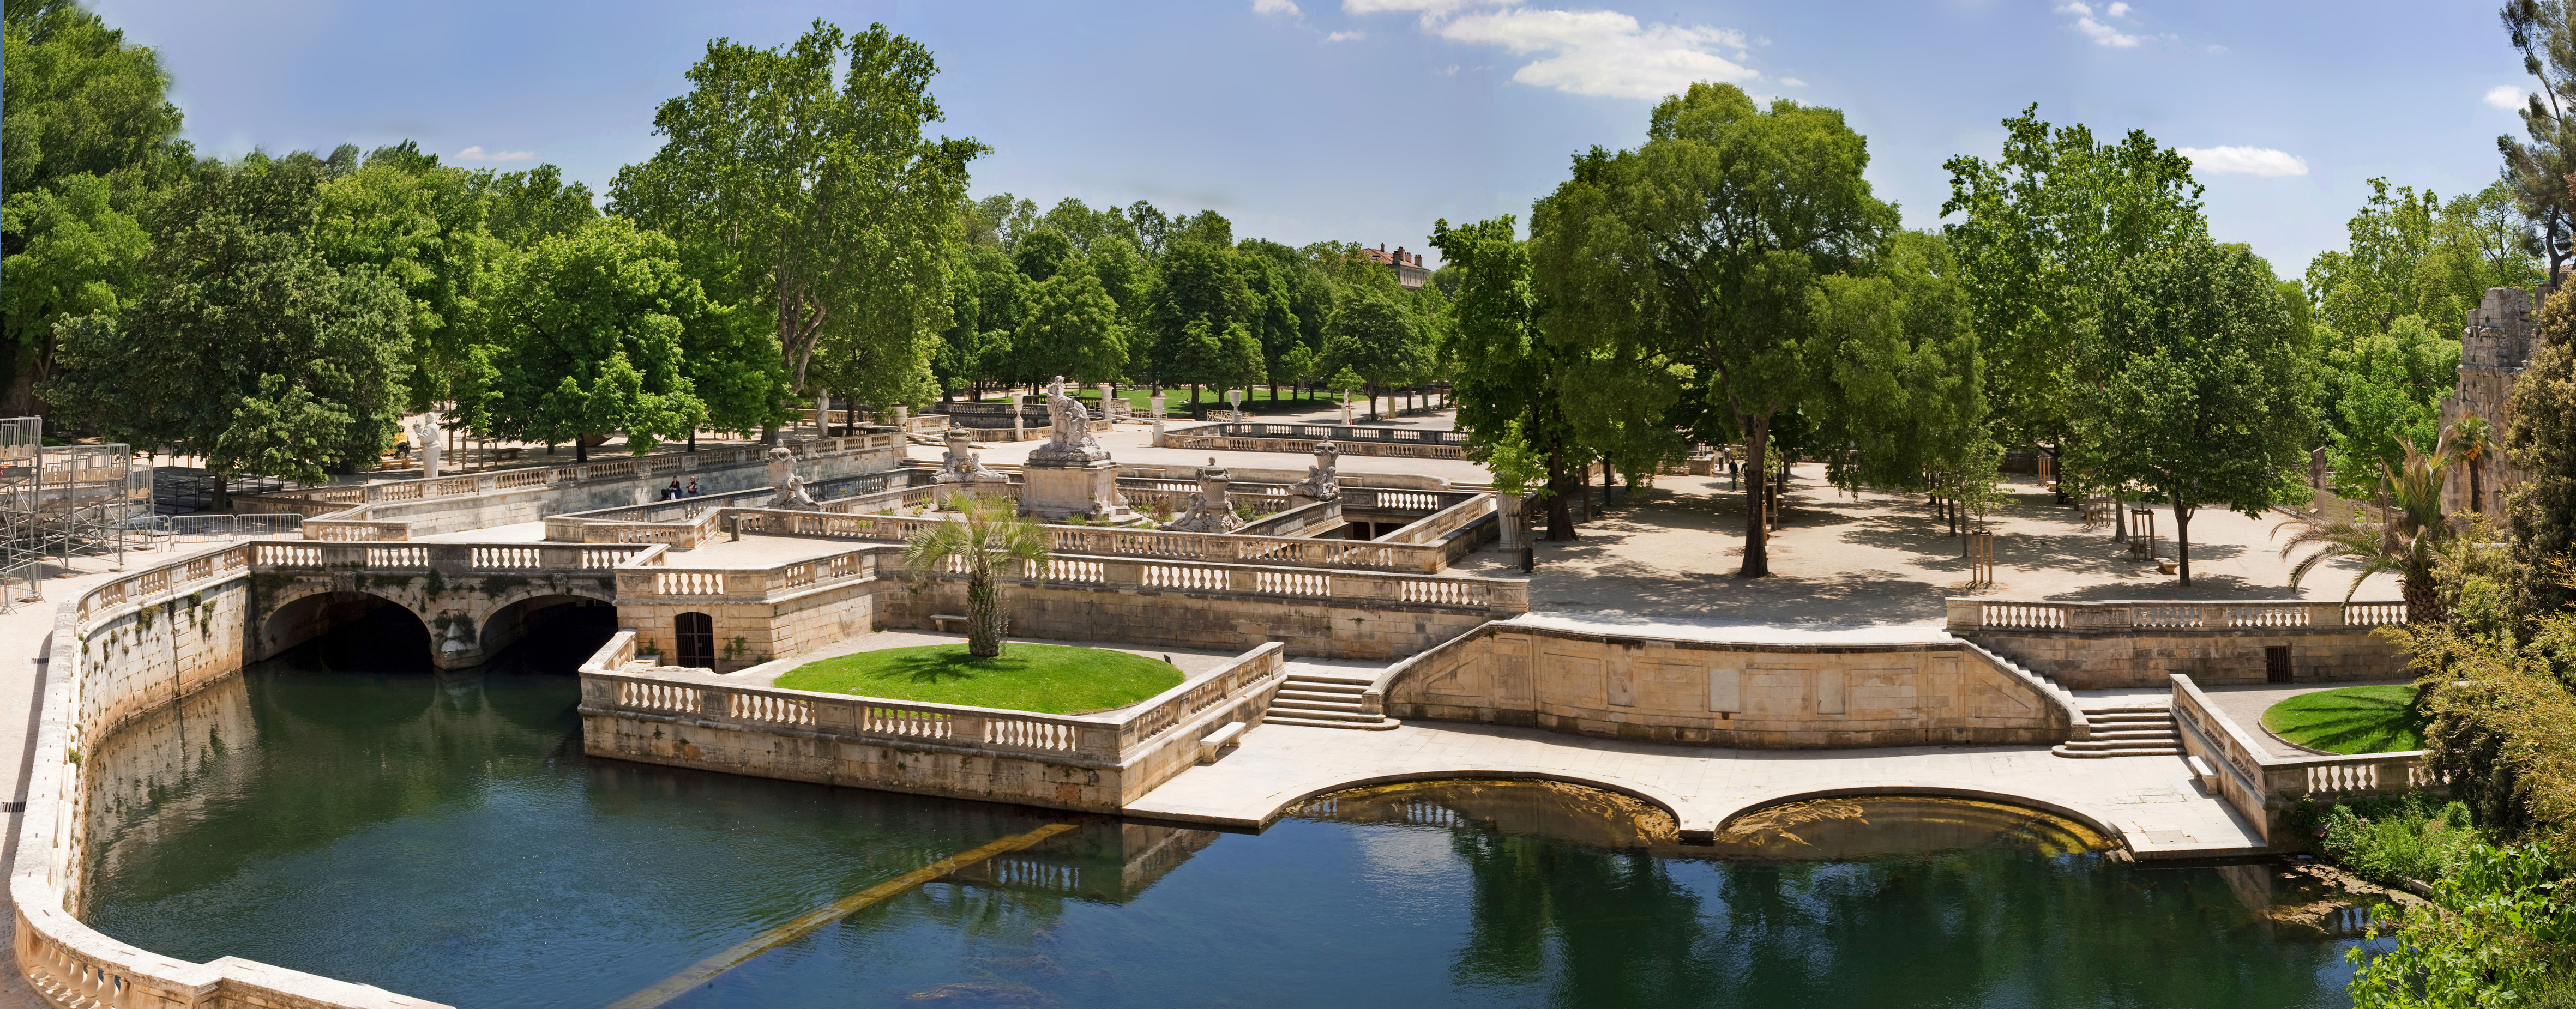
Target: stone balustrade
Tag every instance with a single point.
(2263, 787)
(456, 558)
(113, 660)
(1094, 763)
(2046, 615)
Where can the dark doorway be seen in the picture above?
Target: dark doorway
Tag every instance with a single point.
(2276, 664)
(696, 640)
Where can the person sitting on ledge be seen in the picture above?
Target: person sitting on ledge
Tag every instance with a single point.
(693, 490)
(672, 492)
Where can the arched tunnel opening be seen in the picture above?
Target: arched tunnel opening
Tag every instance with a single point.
(547, 634)
(342, 630)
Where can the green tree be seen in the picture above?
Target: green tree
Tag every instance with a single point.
(249, 348)
(831, 205)
(1374, 336)
(1200, 283)
(2203, 393)
(587, 338)
(527, 207)
(1707, 247)
(423, 225)
(88, 138)
(992, 536)
(2379, 389)
(1510, 405)
(2039, 233)
(2406, 538)
(2544, 31)
(1905, 387)
(2540, 438)
(1073, 329)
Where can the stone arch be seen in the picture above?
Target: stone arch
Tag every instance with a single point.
(2078, 814)
(1654, 797)
(307, 611)
(508, 620)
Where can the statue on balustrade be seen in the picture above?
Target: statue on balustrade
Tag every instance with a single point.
(1211, 513)
(786, 486)
(1323, 479)
(1069, 438)
(963, 469)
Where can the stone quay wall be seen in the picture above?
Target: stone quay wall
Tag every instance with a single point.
(2091, 646)
(2263, 787)
(1721, 693)
(1087, 763)
(121, 650)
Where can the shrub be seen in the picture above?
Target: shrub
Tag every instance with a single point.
(2407, 837)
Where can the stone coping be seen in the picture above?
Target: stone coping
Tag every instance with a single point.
(2263, 786)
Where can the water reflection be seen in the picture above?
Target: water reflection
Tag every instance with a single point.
(442, 835)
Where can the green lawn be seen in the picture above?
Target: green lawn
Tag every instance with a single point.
(2350, 720)
(1053, 679)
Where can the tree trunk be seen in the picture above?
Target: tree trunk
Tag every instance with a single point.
(580, 449)
(1605, 483)
(2119, 518)
(1757, 478)
(2182, 541)
(986, 622)
(693, 439)
(1560, 517)
(2475, 494)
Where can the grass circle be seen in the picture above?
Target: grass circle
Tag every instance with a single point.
(2372, 719)
(1050, 679)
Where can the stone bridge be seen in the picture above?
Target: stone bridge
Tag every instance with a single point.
(474, 598)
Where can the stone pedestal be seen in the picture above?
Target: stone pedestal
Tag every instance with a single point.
(1507, 512)
(1055, 491)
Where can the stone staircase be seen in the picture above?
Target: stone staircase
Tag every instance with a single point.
(2142, 730)
(1324, 701)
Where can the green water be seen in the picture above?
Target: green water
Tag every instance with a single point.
(344, 812)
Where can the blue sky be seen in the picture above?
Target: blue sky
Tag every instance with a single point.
(1364, 120)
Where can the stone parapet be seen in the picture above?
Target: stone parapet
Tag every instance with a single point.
(1089, 763)
(2139, 643)
(2263, 787)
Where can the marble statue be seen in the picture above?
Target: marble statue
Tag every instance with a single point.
(1069, 438)
(786, 486)
(1323, 479)
(1211, 513)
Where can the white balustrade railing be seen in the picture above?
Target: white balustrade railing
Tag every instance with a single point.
(2262, 786)
(1968, 614)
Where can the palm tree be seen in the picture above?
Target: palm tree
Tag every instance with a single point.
(2471, 443)
(2405, 537)
(991, 534)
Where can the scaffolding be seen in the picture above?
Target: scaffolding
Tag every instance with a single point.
(64, 500)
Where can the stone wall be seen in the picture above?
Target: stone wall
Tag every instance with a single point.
(1716, 693)
(531, 504)
(1217, 621)
(2495, 346)
(1089, 763)
(2095, 660)
(749, 632)
(119, 652)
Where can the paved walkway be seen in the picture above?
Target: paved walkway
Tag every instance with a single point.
(2150, 801)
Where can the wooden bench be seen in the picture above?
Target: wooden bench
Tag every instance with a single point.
(944, 619)
(1229, 735)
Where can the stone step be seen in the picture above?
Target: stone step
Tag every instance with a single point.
(1380, 724)
(2143, 751)
(1325, 714)
(1310, 686)
(1356, 681)
(2131, 722)
(1289, 704)
(2131, 709)
(1302, 696)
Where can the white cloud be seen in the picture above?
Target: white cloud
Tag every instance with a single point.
(2076, 8)
(477, 153)
(2117, 10)
(2505, 96)
(1349, 36)
(1583, 52)
(1792, 82)
(2105, 35)
(2261, 161)
(1288, 7)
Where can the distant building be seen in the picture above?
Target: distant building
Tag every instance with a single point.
(2495, 348)
(1408, 267)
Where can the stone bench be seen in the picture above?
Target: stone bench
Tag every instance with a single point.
(1228, 735)
(944, 619)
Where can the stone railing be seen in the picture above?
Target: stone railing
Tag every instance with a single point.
(66, 962)
(2042, 615)
(342, 513)
(1434, 527)
(650, 576)
(1112, 541)
(458, 558)
(1139, 737)
(1335, 433)
(1201, 438)
(2263, 787)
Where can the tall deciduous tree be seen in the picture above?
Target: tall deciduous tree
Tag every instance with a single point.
(586, 338)
(2544, 31)
(1375, 336)
(1906, 382)
(420, 223)
(2039, 233)
(1073, 329)
(1509, 402)
(249, 348)
(2540, 436)
(832, 206)
(2203, 391)
(89, 139)
(1707, 246)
